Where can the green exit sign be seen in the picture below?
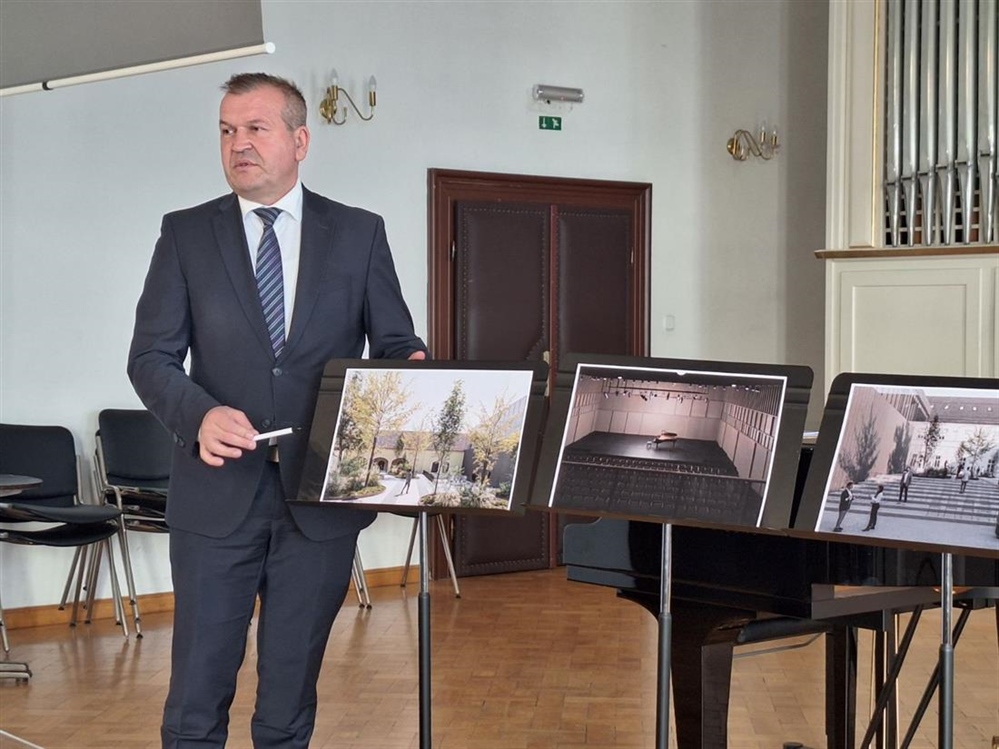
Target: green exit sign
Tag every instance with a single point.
(549, 123)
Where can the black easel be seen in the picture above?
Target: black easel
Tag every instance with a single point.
(946, 725)
(423, 611)
(665, 640)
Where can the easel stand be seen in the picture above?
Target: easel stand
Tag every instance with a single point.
(423, 611)
(665, 639)
(946, 734)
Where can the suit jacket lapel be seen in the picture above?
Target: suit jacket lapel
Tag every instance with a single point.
(318, 231)
(231, 238)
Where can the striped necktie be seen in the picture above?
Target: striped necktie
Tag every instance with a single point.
(270, 280)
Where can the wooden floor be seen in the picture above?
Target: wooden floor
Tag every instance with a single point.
(521, 661)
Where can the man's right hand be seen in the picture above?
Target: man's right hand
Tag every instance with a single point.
(225, 432)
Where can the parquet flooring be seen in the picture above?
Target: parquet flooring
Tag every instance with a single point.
(521, 661)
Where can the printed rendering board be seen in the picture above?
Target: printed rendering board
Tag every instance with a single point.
(681, 441)
(921, 457)
(423, 435)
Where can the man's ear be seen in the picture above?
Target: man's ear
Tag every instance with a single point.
(302, 140)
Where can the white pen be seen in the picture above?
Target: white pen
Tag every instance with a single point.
(275, 433)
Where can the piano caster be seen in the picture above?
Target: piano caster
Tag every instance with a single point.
(995, 742)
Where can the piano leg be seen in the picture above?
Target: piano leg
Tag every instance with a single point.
(704, 639)
(841, 687)
(880, 654)
(703, 642)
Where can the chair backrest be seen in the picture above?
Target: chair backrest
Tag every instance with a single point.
(136, 448)
(45, 452)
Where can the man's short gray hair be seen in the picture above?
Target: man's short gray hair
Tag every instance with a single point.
(294, 112)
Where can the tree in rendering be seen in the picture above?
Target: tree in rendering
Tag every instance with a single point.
(976, 447)
(858, 465)
(446, 426)
(931, 437)
(897, 459)
(383, 404)
(495, 434)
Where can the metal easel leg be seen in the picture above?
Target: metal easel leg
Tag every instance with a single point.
(442, 527)
(409, 553)
(423, 616)
(360, 581)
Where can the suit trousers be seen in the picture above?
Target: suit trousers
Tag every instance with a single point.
(301, 585)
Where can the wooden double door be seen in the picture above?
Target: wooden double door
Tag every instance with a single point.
(530, 268)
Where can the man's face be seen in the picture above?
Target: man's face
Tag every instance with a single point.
(260, 154)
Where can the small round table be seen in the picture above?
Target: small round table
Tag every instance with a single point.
(10, 485)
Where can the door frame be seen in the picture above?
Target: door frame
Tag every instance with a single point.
(445, 187)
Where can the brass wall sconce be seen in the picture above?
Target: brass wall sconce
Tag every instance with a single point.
(329, 107)
(744, 143)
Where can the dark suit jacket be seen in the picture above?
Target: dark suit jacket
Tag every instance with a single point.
(845, 499)
(200, 296)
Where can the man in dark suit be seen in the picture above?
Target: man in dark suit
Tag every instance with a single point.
(256, 359)
(845, 500)
(903, 484)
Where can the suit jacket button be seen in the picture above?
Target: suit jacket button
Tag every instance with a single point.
(266, 423)
(276, 371)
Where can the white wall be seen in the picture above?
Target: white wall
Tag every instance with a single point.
(87, 172)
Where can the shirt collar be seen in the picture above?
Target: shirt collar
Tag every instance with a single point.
(291, 203)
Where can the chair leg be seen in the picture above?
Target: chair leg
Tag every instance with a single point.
(442, 527)
(90, 586)
(94, 568)
(91, 570)
(3, 632)
(409, 553)
(360, 582)
(126, 562)
(69, 578)
(119, 607)
(81, 571)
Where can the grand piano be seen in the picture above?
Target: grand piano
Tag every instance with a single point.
(730, 588)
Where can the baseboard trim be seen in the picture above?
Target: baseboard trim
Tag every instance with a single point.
(155, 603)
(389, 576)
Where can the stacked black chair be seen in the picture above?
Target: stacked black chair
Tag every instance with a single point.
(131, 473)
(49, 453)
